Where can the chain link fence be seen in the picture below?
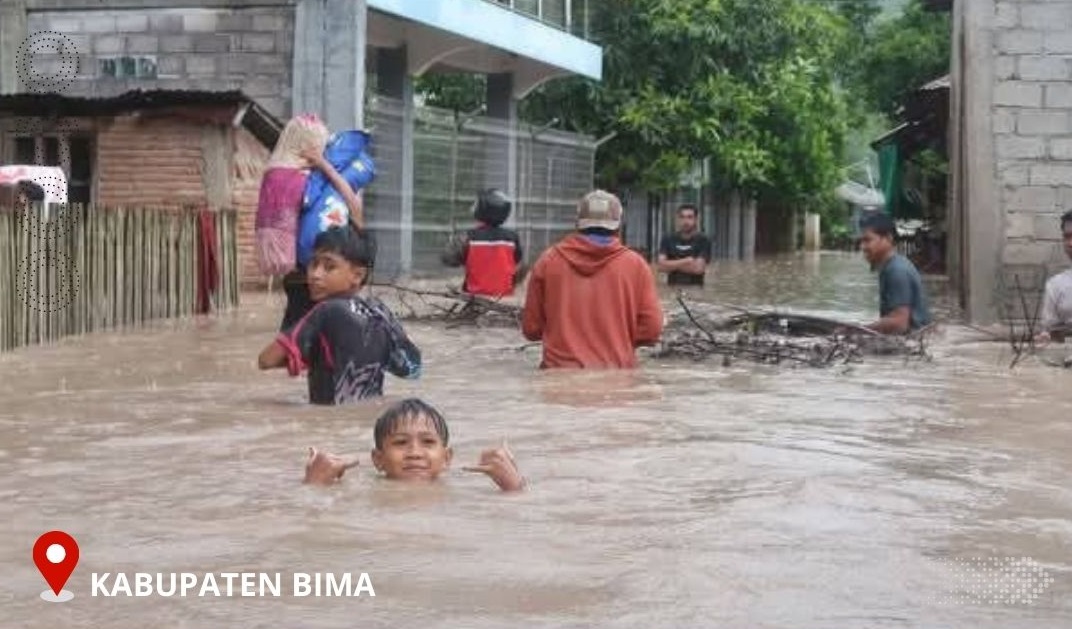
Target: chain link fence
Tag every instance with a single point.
(453, 157)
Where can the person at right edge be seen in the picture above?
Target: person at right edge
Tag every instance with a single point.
(902, 300)
(590, 299)
(1057, 300)
(684, 255)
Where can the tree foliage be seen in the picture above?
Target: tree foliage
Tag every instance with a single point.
(748, 84)
(904, 53)
(766, 90)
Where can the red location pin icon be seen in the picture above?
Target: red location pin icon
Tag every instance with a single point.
(56, 554)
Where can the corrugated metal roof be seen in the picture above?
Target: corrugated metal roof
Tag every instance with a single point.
(257, 120)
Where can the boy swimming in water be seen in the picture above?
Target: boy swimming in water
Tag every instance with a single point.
(412, 444)
(346, 342)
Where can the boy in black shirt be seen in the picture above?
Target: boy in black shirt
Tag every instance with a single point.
(345, 341)
(684, 255)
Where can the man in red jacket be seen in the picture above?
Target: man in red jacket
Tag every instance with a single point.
(591, 300)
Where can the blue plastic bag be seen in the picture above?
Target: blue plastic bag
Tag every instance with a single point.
(323, 207)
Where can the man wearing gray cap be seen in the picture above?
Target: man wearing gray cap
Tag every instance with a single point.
(591, 300)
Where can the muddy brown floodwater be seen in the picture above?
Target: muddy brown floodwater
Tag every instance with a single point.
(682, 495)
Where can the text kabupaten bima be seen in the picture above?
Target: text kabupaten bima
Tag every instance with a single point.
(255, 584)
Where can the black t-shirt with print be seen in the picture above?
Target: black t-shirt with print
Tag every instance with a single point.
(674, 247)
(347, 343)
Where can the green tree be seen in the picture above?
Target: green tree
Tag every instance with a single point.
(751, 85)
(904, 53)
(459, 93)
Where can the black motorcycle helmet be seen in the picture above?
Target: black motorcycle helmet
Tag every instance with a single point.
(492, 207)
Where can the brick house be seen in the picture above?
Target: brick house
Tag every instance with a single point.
(158, 148)
(1010, 141)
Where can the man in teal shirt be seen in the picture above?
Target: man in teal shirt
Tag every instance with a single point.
(902, 300)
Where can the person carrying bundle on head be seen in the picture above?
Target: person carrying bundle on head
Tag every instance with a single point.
(490, 253)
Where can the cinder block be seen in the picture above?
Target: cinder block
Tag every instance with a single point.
(200, 21)
(1050, 16)
(142, 44)
(269, 23)
(1026, 252)
(1044, 68)
(1061, 149)
(1013, 173)
(1004, 120)
(1018, 94)
(1017, 147)
(1058, 96)
(270, 64)
(237, 65)
(1042, 122)
(261, 87)
(165, 23)
(1019, 225)
(170, 66)
(176, 43)
(1047, 226)
(1020, 42)
(1034, 198)
(238, 22)
(1005, 68)
(65, 24)
(201, 65)
(1051, 174)
(108, 44)
(1007, 15)
(211, 43)
(131, 22)
(1059, 42)
(93, 23)
(258, 42)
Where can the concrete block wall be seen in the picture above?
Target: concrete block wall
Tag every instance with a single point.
(1032, 125)
(194, 48)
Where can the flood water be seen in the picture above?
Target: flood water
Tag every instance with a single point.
(681, 495)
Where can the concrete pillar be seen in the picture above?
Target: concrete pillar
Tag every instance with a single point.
(501, 170)
(733, 229)
(748, 229)
(984, 223)
(812, 232)
(329, 61)
(394, 81)
(12, 34)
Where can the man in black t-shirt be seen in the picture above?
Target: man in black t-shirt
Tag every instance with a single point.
(684, 255)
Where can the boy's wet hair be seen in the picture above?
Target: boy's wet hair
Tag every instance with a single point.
(880, 223)
(405, 411)
(355, 246)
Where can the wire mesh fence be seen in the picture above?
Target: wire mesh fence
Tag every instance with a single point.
(453, 157)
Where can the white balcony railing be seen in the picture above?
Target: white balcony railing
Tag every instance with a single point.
(572, 16)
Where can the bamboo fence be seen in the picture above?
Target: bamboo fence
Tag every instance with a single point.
(79, 269)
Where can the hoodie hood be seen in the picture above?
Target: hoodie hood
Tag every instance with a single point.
(586, 257)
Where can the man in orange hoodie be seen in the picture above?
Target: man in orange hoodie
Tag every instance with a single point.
(591, 300)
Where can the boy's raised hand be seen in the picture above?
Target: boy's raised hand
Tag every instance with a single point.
(324, 468)
(499, 464)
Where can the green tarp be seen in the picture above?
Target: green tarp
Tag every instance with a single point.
(891, 182)
(890, 175)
